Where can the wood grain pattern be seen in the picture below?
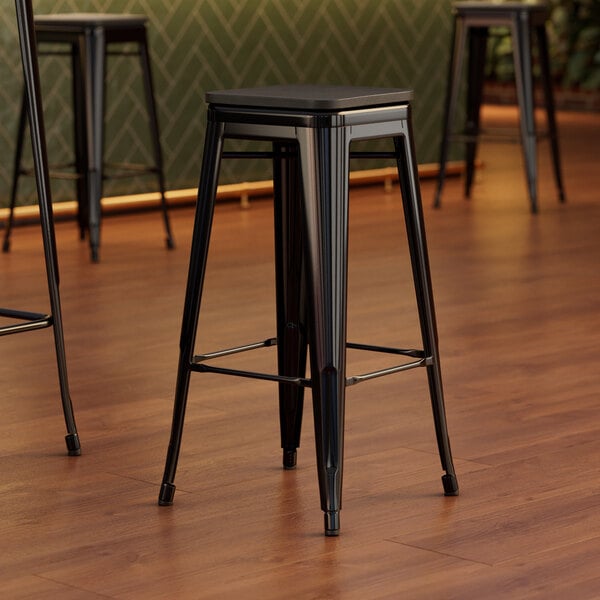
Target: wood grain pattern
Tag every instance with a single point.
(518, 302)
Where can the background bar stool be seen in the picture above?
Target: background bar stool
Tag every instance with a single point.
(23, 320)
(472, 20)
(89, 36)
(311, 128)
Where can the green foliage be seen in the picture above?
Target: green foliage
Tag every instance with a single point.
(574, 40)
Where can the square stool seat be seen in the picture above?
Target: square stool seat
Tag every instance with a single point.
(82, 20)
(310, 97)
(539, 7)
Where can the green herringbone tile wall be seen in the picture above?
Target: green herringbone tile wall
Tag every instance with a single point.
(197, 45)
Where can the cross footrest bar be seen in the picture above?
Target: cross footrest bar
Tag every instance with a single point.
(69, 53)
(31, 321)
(198, 363)
(495, 135)
(125, 170)
(134, 167)
(271, 155)
(55, 171)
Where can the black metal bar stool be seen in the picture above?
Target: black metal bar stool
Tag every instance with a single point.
(22, 321)
(311, 128)
(472, 20)
(89, 36)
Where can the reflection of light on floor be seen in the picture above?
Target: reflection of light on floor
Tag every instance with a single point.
(505, 159)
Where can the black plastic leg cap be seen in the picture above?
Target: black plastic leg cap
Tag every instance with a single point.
(289, 459)
(167, 492)
(332, 524)
(450, 484)
(73, 446)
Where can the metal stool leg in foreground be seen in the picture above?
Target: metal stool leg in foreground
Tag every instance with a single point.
(202, 225)
(292, 340)
(29, 321)
(417, 243)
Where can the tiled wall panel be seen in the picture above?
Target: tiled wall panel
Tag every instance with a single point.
(198, 45)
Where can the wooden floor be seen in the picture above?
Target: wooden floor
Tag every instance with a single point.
(518, 301)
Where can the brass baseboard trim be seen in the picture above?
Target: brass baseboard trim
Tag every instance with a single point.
(234, 191)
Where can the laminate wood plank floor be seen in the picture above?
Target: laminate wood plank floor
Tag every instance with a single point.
(518, 303)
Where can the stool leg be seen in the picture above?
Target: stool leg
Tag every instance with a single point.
(544, 59)
(475, 80)
(291, 322)
(521, 35)
(202, 225)
(451, 103)
(154, 132)
(415, 227)
(16, 172)
(94, 86)
(38, 142)
(324, 165)
(79, 134)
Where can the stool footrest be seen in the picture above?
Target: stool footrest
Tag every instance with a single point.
(271, 155)
(248, 154)
(57, 171)
(300, 381)
(123, 52)
(423, 362)
(494, 135)
(228, 351)
(387, 350)
(31, 321)
(124, 170)
(198, 365)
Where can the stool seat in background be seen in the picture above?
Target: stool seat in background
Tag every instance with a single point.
(525, 21)
(311, 129)
(91, 38)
